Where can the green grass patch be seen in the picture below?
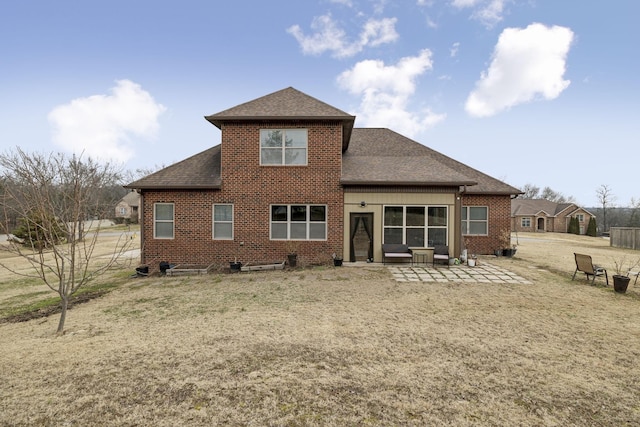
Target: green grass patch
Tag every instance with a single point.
(46, 303)
(22, 282)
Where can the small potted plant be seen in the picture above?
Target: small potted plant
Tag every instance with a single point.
(292, 253)
(507, 248)
(621, 277)
(472, 261)
(236, 265)
(337, 260)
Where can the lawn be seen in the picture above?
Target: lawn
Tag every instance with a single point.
(336, 346)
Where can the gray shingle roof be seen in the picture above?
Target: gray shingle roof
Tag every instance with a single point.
(286, 104)
(199, 171)
(131, 198)
(384, 157)
(370, 156)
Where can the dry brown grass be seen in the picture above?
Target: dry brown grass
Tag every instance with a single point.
(337, 346)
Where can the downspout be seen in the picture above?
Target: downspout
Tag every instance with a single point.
(141, 221)
(457, 250)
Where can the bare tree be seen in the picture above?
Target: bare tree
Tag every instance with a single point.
(53, 196)
(606, 198)
(634, 217)
(533, 192)
(530, 191)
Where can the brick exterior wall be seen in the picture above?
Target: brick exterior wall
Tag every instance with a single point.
(251, 189)
(499, 220)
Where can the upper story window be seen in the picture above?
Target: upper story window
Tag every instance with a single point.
(283, 147)
(580, 217)
(475, 220)
(163, 221)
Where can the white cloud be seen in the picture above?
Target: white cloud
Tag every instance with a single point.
(527, 63)
(454, 49)
(386, 91)
(347, 3)
(489, 12)
(328, 36)
(464, 3)
(101, 126)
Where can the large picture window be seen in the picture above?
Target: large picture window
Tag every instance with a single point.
(223, 222)
(475, 220)
(415, 226)
(163, 220)
(283, 147)
(298, 222)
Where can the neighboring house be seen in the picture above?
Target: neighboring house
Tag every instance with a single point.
(127, 207)
(544, 215)
(292, 173)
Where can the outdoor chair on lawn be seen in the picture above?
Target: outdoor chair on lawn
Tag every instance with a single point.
(584, 264)
(633, 273)
(440, 253)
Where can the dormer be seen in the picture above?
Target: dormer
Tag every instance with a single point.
(286, 105)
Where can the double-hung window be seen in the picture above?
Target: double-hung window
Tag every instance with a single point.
(298, 222)
(475, 220)
(163, 221)
(525, 222)
(283, 147)
(223, 222)
(415, 226)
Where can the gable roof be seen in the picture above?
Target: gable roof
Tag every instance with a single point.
(286, 104)
(378, 156)
(131, 198)
(533, 207)
(371, 156)
(200, 171)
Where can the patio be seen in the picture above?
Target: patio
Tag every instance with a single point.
(483, 273)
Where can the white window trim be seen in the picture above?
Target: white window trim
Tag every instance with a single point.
(307, 221)
(284, 148)
(468, 221)
(214, 222)
(172, 221)
(425, 227)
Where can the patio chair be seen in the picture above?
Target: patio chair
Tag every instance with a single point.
(585, 265)
(633, 273)
(440, 253)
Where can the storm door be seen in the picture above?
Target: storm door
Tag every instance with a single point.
(361, 232)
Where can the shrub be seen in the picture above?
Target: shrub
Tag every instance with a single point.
(592, 229)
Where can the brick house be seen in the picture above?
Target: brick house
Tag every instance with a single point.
(128, 207)
(536, 215)
(293, 174)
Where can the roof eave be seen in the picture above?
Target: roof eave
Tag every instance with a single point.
(174, 187)
(347, 122)
(408, 183)
(218, 120)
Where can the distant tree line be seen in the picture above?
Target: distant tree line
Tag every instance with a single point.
(534, 192)
(607, 213)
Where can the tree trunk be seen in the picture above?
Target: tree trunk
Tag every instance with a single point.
(64, 303)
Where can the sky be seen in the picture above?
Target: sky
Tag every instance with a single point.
(531, 92)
